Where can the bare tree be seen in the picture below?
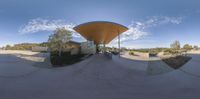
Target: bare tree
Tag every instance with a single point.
(175, 45)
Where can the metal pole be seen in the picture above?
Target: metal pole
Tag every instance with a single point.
(104, 47)
(119, 43)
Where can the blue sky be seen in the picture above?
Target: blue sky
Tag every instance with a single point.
(152, 23)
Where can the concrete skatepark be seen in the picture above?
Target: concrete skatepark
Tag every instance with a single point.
(28, 75)
(98, 77)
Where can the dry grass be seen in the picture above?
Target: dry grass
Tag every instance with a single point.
(176, 62)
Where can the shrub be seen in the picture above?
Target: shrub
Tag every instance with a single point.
(65, 59)
(55, 59)
(115, 52)
(171, 51)
(131, 52)
(153, 53)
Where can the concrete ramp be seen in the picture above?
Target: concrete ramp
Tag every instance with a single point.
(192, 67)
(157, 67)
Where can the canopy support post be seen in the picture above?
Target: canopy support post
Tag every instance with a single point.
(104, 47)
(119, 42)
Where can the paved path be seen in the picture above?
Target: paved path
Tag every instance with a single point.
(98, 78)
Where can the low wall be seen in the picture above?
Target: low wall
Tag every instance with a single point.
(143, 55)
(18, 52)
(39, 49)
(194, 52)
(87, 48)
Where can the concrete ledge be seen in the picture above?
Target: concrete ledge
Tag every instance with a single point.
(143, 55)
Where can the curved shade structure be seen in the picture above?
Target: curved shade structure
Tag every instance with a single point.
(101, 32)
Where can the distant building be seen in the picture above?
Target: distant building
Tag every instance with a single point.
(39, 49)
(75, 47)
(88, 47)
(83, 48)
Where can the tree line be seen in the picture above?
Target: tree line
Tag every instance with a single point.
(177, 46)
(24, 46)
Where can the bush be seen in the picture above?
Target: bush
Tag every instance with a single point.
(131, 52)
(171, 51)
(65, 59)
(115, 52)
(153, 53)
(55, 59)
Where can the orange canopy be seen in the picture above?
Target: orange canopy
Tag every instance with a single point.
(101, 32)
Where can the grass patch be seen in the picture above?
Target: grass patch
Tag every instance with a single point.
(177, 62)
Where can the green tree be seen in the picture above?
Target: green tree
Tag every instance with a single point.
(58, 39)
(187, 47)
(44, 44)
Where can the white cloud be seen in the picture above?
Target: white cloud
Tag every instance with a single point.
(41, 24)
(138, 29)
